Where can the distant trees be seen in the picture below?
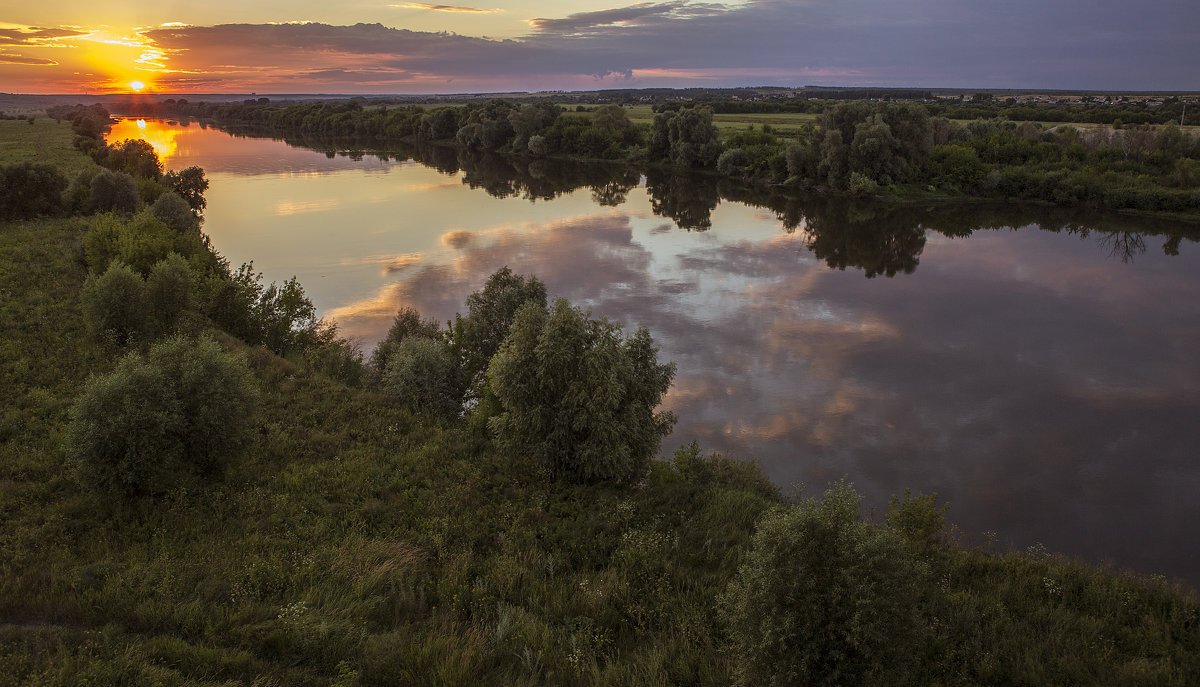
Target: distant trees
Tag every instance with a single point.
(686, 138)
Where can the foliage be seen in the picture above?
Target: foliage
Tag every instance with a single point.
(407, 324)
(423, 375)
(133, 156)
(190, 184)
(172, 210)
(30, 189)
(185, 408)
(113, 192)
(491, 312)
(170, 290)
(577, 397)
(114, 304)
(686, 138)
(823, 598)
(917, 518)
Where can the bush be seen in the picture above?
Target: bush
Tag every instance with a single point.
(144, 241)
(423, 375)
(823, 598)
(30, 189)
(170, 290)
(490, 314)
(180, 411)
(172, 210)
(861, 184)
(577, 397)
(78, 197)
(114, 192)
(114, 304)
(408, 323)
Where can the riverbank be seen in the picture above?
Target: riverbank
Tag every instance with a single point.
(892, 151)
(357, 543)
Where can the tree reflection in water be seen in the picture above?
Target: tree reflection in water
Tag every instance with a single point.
(877, 237)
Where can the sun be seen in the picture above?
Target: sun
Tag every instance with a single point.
(137, 86)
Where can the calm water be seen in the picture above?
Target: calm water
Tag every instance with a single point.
(1039, 369)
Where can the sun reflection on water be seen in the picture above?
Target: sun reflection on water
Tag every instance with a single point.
(160, 135)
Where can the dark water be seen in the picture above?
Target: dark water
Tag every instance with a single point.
(1038, 368)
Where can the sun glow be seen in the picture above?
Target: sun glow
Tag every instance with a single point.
(160, 136)
(136, 86)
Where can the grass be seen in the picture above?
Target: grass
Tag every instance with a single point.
(43, 141)
(354, 543)
(786, 124)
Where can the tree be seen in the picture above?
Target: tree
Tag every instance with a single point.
(170, 290)
(190, 184)
(174, 212)
(423, 375)
(823, 598)
(30, 189)
(183, 409)
(407, 324)
(577, 397)
(114, 304)
(133, 156)
(114, 192)
(490, 314)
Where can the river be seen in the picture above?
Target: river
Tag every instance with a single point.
(1039, 369)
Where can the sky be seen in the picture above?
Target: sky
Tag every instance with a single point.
(396, 46)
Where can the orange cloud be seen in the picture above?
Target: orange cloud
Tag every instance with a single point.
(443, 8)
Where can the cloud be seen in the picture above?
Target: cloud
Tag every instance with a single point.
(33, 35)
(6, 58)
(443, 8)
(760, 42)
(582, 22)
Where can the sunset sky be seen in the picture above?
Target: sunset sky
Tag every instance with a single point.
(394, 46)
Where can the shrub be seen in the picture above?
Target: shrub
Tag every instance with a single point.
(182, 410)
(172, 210)
(408, 323)
(861, 184)
(732, 162)
(170, 289)
(144, 241)
(114, 304)
(78, 197)
(216, 397)
(121, 439)
(917, 518)
(577, 397)
(423, 375)
(490, 314)
(823, 598)
(30, 189)
(114, 192)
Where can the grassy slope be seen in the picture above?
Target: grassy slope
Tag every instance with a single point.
(357, 544)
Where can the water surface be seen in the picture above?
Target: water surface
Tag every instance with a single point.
(1036, 368)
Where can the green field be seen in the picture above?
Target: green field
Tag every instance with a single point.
(43, 141)
(785, 124)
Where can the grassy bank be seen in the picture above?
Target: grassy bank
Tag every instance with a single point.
(356, 543)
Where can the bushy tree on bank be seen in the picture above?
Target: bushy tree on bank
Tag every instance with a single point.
(824, 598)
(182, 410)
(577, 397)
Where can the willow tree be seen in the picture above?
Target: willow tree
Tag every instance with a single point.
(578, 397)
